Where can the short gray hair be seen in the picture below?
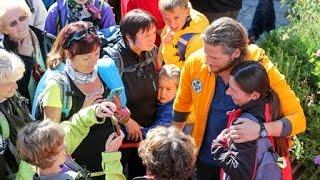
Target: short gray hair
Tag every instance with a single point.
(11, 67)
(169, 5)
(227, 32)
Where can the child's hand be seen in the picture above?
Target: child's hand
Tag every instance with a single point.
(105, 109)
(114, 142)
(168, 37)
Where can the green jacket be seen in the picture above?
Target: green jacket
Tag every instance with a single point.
(75, 131)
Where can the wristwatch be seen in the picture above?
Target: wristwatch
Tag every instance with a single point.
(263, 132)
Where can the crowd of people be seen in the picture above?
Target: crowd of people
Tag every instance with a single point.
(174, 90)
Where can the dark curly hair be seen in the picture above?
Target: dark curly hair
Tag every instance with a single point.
(168, 154)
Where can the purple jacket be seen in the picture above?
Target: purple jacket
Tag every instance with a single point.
(107, 16)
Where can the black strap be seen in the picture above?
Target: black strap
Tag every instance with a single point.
(16, 113)
(85, 174)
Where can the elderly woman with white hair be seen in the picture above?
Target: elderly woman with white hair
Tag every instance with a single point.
(29, 43)
(13, 110)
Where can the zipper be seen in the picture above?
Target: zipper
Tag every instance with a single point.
(207, 112)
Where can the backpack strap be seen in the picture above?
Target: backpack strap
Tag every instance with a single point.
(150, 58)
(182, 45)
(136, 66)
(116, 57)
(84, 173)
(65, 92)
(4, 126)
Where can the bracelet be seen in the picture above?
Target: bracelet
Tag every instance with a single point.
(124, 116)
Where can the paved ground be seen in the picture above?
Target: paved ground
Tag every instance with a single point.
(249, 6)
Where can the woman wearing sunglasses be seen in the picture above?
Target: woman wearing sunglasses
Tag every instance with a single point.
(138, 54)
(28, 42)
(64, 12)
(14, 115)
(77, 47)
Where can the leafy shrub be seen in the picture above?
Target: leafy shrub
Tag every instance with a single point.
(293, 50)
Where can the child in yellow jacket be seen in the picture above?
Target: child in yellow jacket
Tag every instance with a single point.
(181, 34)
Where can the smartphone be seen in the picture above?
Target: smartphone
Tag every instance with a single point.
(115, 125)
(115, 92)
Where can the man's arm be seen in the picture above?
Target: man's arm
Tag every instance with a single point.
(248, 130)
(293, 120)
(179, 125)
(290, 105)
(182, 105)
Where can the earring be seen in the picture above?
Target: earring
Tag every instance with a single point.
(130, 43)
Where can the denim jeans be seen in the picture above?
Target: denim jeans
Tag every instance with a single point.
(263, 20)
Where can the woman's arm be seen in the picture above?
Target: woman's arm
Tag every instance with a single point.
(52, 101)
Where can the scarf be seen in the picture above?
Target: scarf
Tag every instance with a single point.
(86, 12)
(79, 77)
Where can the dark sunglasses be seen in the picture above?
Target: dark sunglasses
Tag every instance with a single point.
(79, 35)
(15, 22)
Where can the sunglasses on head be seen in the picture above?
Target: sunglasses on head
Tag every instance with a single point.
(79, 35)
(15, 22)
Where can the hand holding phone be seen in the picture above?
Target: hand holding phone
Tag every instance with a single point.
(114, 142)
(115, 125)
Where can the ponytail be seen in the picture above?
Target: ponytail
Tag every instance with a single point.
(281, 144)
(275, 104)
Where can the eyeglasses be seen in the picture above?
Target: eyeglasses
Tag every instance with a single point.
(15, 22)
(79, 35)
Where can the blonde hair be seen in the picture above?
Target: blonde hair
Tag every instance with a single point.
(168, 154)
(170, 71)
(11, 67)
(169, 5)
(7, 5)
(38, 143)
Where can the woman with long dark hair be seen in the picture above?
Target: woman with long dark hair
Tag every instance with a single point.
(250, 89)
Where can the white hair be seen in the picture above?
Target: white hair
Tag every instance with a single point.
(11, 67)
(6, 5)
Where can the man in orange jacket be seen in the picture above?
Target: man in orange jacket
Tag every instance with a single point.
(202, 91)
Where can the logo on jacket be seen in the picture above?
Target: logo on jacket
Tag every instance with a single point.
(197, 86)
